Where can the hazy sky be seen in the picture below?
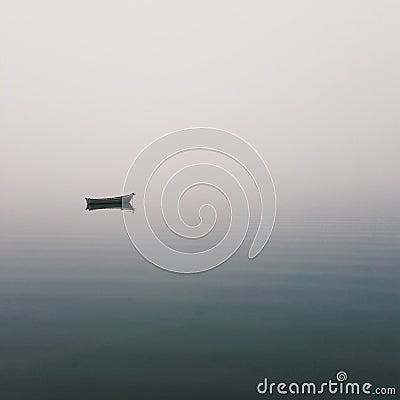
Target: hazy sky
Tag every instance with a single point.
(313, 85)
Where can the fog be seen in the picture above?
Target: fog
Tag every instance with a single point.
(313, 86)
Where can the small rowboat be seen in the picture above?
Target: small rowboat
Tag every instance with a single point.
(116, 201)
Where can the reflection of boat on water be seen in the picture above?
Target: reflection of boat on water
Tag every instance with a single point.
(121, 202)
(123, 206)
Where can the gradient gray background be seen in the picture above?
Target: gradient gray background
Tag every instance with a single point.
(84, 86)
(314, 86)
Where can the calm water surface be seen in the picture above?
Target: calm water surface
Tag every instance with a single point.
(83, 316)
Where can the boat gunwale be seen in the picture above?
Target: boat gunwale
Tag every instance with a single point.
(127, 197)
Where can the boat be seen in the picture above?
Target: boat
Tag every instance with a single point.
(111, 201)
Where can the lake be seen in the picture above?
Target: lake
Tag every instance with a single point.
(84, 316)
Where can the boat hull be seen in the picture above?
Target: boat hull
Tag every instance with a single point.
(114, 201)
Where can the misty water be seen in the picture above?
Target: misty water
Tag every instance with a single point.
(86, 86)
(84, 316)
